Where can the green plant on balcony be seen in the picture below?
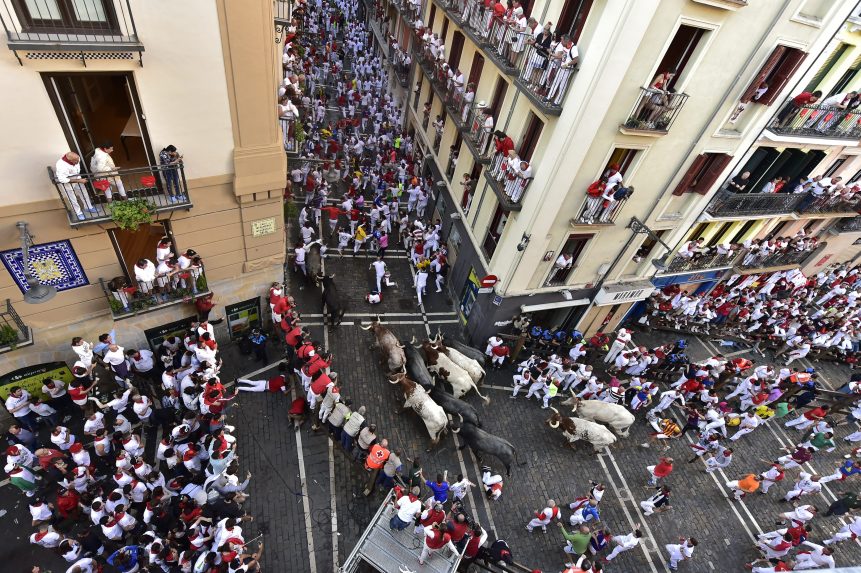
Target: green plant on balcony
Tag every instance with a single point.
(130, 214)
(299, 132)
(662, 125)
(634, 123)
(116, 306)
(8, 336)
(201, 284)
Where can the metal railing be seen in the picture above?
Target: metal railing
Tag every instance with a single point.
(830, 205)
(13, 331)
(656, 110)
(765, 260)
(727, 203)
(508, 42)
(699, 263)
(127, 298)
(477, 18)
(163, 188)
(850, 225)
(544, 77)
(95, 25)
(816, 121)
(600, 211)
(283, 11)
(511, 182)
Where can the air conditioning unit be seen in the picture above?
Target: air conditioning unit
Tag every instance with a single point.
(624, 292)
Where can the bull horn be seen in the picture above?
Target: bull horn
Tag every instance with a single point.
(401, 345)
(552, 424)
(413, 340)
(369, 327)
(395, 381)
(461, 418)
(555, 410)
(403, 369)
(332, 276)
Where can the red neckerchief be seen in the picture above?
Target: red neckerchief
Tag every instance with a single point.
(67, 161)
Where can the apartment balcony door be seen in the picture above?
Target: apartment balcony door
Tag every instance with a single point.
(70, 16)
(94, 109)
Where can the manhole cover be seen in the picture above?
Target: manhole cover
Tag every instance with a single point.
(405, 304)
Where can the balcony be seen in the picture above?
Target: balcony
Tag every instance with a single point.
(131, 298)
(728, 204)
(600, 211)
(771, 260)
(508, 182)
(543, 81)
(703, 262)
(816, 122)
(290, 136)
(154, 189)
(829, 206)
(77, 26)
(13, 332)
(654, 112)
(852, 225)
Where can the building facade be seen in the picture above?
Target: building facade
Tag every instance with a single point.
(673, 138)
(199, 75)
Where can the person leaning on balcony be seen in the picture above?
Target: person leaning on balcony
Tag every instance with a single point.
(502, 142)
(820, 190)
(537, 64)
(145, 275)
(568, 55)
(841, 104)
(739, 183)
(68, 174)
(795, 104)
(690, 249)
(102, 166)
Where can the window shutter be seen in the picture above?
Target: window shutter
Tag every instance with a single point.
(778, 80)
(764, 72)
(717, 163)
(690, 174)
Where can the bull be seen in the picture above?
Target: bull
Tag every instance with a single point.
(467, 351)
(574, 429)
(314, 262)
(392, 350)
(442, 366)
(416, 367)
(455, 407)
(481, 442)
(617, 417)
(470, 365)
(417, 399)
(332, 301)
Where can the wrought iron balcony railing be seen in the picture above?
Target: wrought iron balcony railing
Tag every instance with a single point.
(128, 298)
(544, 79)
(850, 225)
(817, 121)
(655, 111)
(162, 188)
(830, 205)
(715, 260)
(760, 261)
(729, 204)
(70, 25)
(600, 211)
(13, 332)
(508, 182)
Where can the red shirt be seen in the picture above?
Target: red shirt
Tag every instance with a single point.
(294, 336)
(500, 350)
(297, 407)
(815, 413)
(318, 386)
(438, 541)
(277, 384)
(663, 469)
(803, 98)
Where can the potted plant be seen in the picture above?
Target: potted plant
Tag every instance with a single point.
(130, 214)
(8, 336)
(634, 123)
(201, 284)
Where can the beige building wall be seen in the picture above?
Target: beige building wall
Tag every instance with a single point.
(208, 85)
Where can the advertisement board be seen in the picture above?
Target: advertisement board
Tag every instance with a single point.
(241, 316)
(155, 336)
(31, 378)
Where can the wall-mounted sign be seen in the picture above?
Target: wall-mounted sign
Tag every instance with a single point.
(31, 378)
(497, 300)
(262, 227)
(54, 264)
(242, 316)
(155, 336)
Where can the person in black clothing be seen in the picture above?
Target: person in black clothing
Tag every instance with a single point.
(739, 183)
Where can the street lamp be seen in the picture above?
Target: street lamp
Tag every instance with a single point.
(640, 228)
(37, 292)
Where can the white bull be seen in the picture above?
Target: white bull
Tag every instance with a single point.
(574, 429)
(470, 365)
(440, 364)
(417, 398)
(613, 415)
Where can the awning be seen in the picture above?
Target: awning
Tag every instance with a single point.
(550, 305)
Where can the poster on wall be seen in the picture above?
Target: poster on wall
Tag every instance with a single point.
(242, 316)
(53, 264)
(31, 378)
(155, 336)
(469, 294)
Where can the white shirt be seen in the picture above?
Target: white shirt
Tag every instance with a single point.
(23, 401)
(64, 172)
(145, 274)
(115, 357)
(407, 509)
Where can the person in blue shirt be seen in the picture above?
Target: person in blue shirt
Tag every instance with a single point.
(126, 559)
(439, 488)
(258, 344)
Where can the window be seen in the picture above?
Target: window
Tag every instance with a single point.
(573, 18)
(855, 178)
(826, 67)
(71, 15)
(776, 71)
(621, 159)
(456, 50)
(530, 137)
(702, 174)
(444, 30)
(716, 238)
(498, 97)
(574, 246)
(847, 78)
(678, 54)
(776, 231)
(648, 244)
(494, 232)
(431, 17)
(743, 231)
(832, 169)
(475, 70)
(132, 246)
(469, 189)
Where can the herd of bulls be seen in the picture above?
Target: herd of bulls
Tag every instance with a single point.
(423, 369)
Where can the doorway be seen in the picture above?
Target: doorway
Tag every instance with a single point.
(132, 246)
(94, 109)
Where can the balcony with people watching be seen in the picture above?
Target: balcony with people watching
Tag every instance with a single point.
(772, 254)
(543, 63)
(509, 175)
(80, 26)
(809, 115)
(695, 255)
(655, 111)
(104, 192)
(778, 195)
(605, 199)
